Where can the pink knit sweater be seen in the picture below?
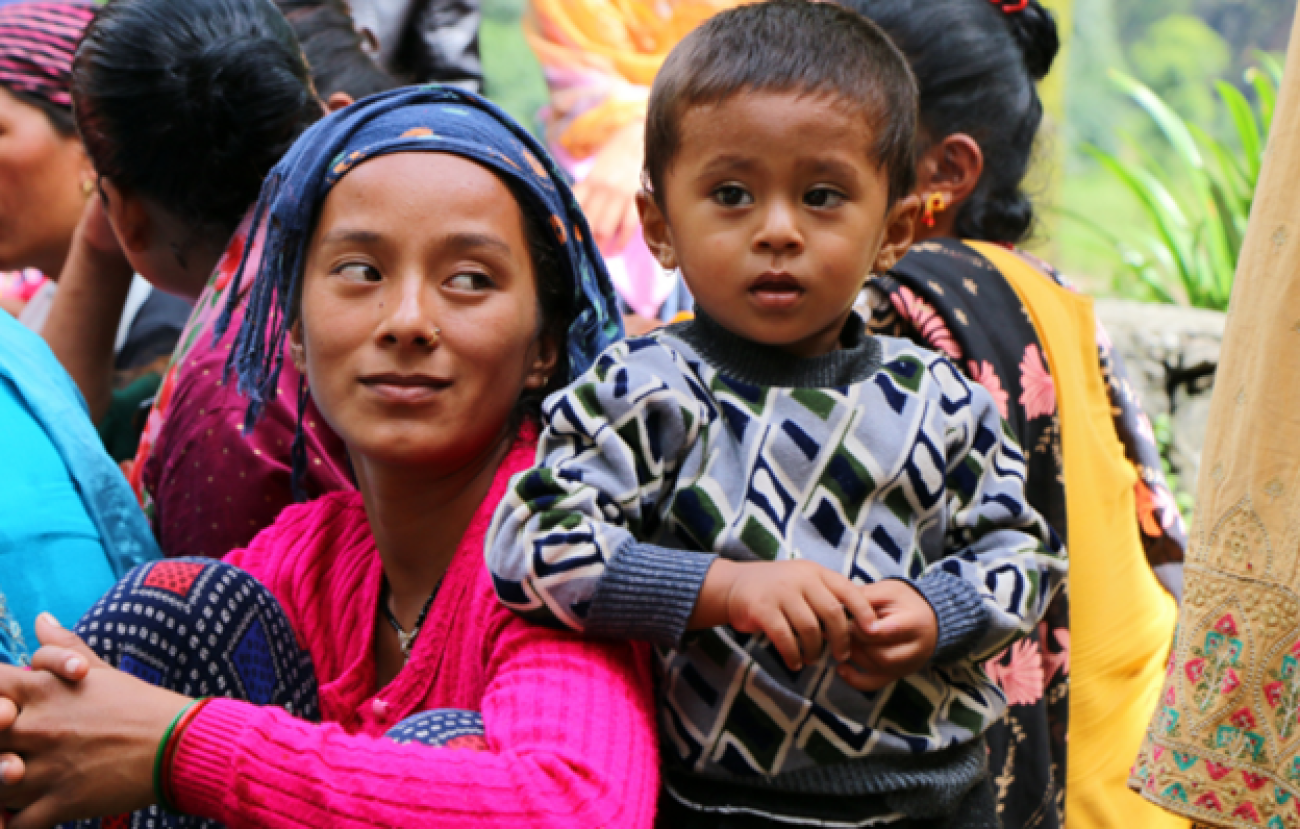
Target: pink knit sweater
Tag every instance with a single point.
(570, 723)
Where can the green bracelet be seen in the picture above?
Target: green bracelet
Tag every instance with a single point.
(158, 760)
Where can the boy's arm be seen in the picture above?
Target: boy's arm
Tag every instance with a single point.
(1003, 562)
(563, 547)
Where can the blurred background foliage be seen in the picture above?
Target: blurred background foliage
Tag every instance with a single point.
(1158, 111)
(1162, 130)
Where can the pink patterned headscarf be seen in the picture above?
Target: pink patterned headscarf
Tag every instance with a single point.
(37, 44)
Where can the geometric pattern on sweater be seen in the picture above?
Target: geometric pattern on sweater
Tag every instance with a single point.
(655, 460)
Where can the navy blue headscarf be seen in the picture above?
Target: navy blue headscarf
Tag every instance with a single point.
(415, 119)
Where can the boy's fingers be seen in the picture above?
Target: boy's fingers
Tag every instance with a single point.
(806, 627)
(835, 622)
(856, 602)
(778, 631)
(862, 680)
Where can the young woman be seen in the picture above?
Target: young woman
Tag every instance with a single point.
(1093, 672)
(435, 280)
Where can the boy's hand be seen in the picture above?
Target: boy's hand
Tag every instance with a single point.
(799, 605)
(899, 642)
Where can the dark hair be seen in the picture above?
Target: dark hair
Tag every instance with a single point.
(977, 66)
(333, 48)
(788, 46)
(191, 103)
(556, 306)
(60, 118)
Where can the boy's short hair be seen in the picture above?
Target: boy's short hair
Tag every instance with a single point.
(789, 46)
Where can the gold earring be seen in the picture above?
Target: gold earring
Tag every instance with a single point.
(87, 187)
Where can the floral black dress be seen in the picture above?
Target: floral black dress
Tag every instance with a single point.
(946, 296)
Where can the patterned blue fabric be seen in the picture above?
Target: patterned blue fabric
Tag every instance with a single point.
(413, 119)
(70, 523)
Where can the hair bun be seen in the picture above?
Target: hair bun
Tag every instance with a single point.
(1034, 28)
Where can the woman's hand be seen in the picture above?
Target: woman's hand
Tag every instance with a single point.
(76, 750)
(898, 643)
(801, 606)
(608, 192)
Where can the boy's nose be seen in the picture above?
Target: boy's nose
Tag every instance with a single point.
(779, 232)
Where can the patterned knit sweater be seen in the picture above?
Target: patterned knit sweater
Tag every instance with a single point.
(878, 460)
(570, 724)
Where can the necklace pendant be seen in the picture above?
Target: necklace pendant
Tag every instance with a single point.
(404, 641)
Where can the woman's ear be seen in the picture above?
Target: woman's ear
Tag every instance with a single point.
(338, 100)
(900, 230)
(654, 226)
(297, 349)
(546, 358)
(127, 215)
(951, 168)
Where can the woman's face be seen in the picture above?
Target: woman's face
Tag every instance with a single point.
(41, 194)
(419, 324)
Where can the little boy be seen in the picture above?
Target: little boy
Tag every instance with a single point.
(823, 532)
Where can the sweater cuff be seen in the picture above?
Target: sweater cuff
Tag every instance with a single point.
(649, 593)
(959, 608)
(202, 773)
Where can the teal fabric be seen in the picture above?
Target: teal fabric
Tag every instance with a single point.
(69, 525)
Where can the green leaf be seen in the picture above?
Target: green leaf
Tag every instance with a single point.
(1243, 119)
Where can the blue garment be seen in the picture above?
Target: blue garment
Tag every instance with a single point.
(413, 119)
(69, 525)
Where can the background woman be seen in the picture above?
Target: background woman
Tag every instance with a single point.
(177, 193)
(438, 281)
(1094, 470)
(45, 182)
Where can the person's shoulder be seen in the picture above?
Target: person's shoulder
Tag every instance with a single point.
(923, 372)
(319, 532)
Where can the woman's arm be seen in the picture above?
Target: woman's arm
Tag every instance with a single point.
(570, 730)
(87, 309)
(571, 736)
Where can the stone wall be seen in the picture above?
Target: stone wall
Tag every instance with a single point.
(1171, 353)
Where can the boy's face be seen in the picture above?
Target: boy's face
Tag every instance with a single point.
(776, 213)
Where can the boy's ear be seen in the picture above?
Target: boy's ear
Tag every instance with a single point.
(127, 215)
(900, 230)
(654, 226)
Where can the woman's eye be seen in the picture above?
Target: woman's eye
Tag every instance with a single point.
(823, 197)
(729, 195)
(470, 282)
(358, 272)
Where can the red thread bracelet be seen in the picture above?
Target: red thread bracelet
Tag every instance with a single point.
(173, 745)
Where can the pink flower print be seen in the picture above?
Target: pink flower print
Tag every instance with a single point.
(1144, 428)
(982, 372)
(1231, 683)
(926, 320)
(1273, 693)
(1054, 662)
(1247, 811)
(1039, 395)
(1254, 782)
(1226, 625)
(1021, 679)
(1195, 669)
(1216, 771)
(1243, 718)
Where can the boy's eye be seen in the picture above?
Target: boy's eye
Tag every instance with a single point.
(823, 197)
(470, 281)
(731, 195)
(358, 272)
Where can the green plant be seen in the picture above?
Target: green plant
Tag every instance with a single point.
(1199, 204)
